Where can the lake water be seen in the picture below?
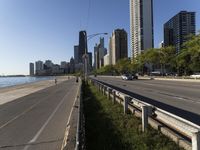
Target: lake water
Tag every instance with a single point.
(11, 81)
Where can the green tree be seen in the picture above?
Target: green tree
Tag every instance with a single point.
(188, 60)
(123, 65)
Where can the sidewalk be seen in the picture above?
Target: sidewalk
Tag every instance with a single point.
(9, 94)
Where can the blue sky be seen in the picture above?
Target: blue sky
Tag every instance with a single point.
(33, 30)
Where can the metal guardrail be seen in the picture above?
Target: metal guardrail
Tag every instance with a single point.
(156, 117)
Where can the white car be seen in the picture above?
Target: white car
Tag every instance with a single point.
(126, 77)
(196, 75)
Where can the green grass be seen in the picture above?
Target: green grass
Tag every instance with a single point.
(107, 128)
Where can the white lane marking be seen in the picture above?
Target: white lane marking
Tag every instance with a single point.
(48, 120)
(16, 117)
(68, 126)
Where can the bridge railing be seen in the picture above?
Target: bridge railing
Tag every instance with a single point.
(180, 130)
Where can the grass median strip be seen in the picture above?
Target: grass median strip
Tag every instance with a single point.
(107, 128)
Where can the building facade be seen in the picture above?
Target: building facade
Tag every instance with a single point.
(31, 69)
(39, 67)
(96, 56)
(82, 46)
(106, 60)
(178, 28)
(119, 45)
(90, 60)
(76, 52)
(141, 26)
(99, 52)
(48, 63)
(110, 50)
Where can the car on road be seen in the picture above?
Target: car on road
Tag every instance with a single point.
(126, 77)
(134, 76)
(129, 76)
(196, 75)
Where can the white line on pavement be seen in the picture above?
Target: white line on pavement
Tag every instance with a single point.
(68, 126)
(48, 120)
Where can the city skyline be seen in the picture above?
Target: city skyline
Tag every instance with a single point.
(52, 31)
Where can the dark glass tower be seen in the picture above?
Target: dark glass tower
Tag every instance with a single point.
(82, 45)
(178, 28)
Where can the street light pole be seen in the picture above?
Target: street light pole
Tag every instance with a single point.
(86, 55)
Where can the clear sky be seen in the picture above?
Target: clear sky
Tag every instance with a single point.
(32, 30)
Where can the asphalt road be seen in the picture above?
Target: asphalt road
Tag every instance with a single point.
(178, 97)
(37, 121)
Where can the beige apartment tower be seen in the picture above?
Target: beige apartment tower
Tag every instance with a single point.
(118, 46)
(141, 26)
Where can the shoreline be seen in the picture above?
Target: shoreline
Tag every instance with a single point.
(47, 78)
(8, 94)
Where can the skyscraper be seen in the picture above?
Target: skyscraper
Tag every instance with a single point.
(90, 60)
(39, 67)
(141, 26)
(31, 67)
(178, 28)
(48, 64)
(82, 45)
(76, 52)
(99, 52)
(72, 65)
(96, 57)
(119, 45)
(110, 50)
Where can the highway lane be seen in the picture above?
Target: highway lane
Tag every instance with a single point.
(178, 94)
(37, 121)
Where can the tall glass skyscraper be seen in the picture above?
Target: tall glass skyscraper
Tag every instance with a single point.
(82, 45)
(141, 26)
(178, 28)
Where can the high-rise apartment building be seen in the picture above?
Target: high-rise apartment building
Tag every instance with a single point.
(72, 65)
(90, 60)
(76, 52)
(39, 67)
(178, 28)
(48, 64)
(63, 64)
(110, 50)
(31, 69)
(96, 57)
(82, 45)
(106, 60)
(141, 26)
(119, 45)
(99, 52)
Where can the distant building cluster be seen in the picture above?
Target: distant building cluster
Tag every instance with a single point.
(48, 68)
(118, 49)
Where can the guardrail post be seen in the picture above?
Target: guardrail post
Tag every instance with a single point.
(99, 87)
(104, 90)
(126, 99)
(109, 93)
(196, 141)
(114, 97)
(144, 117)
(146, 112)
